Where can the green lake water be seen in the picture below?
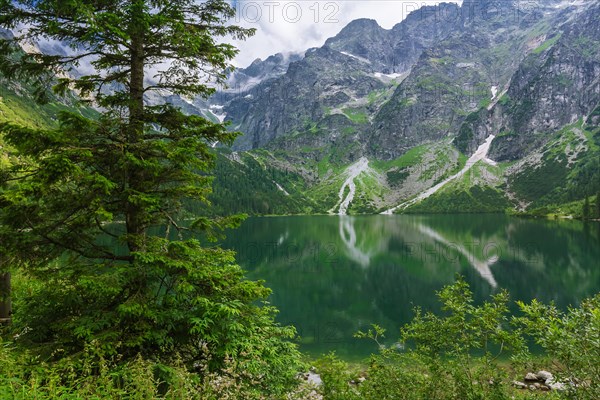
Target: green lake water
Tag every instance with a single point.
(334, 275)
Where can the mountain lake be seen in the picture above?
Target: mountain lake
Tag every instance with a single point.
(332, 276)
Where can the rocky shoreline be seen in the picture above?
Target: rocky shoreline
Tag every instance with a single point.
(542, 380)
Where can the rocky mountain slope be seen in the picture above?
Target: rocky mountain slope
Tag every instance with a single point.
(347, 77)
(376, 118)
(418, 100)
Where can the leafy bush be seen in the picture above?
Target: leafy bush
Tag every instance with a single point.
(92, 376)
(462, 354)
(457, 353)
(476, 199)
(208, 309)
(572, 338)
(336, 378)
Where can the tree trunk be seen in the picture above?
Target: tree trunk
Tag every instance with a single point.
(133, 219)
(5, 303)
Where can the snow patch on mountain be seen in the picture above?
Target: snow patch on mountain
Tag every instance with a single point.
(480, 154)
(356, 57)
(494, 90)
(353, 172)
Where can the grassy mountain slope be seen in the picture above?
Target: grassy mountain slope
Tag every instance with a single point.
(491, 76)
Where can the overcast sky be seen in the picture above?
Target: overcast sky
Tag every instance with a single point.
(284, 26)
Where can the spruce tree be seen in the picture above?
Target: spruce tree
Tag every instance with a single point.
(89, 208)
(585, 212)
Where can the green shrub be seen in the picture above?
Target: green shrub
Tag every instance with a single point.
(453, 356)
(336, 378)
(571, 338)
(92, 376)
(459, 355)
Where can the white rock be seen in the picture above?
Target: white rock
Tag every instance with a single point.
(531, 377)
(544, 375)
(315, 379)
(555, 385)
(519, 385)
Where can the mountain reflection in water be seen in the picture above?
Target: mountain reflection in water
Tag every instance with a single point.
(334, 275)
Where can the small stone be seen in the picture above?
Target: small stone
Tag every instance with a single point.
(315, 379)
(519, 385)
(531, 377)
(555, 385)
(545, 388)
(531, 387)
(362, 379)
(537, 385)
(544, 375)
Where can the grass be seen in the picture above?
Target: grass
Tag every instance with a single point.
(367, 189)
(357, 116)
(433, 170)
(376, 96)
(408, 159)
(573, 209)
(477, 199)
(25, 111)
(323, 166)
(547, 44)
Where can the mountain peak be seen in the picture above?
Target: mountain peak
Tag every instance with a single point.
(363, 22)
(357, 27)
(358, 36)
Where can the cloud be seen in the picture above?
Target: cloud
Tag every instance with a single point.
(285, 26)
(294, 26)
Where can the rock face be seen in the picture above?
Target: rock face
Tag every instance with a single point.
(468, 71)
(557, 84)
(515, 70)
(245, 78)
(349, 67)
(454, 77)
(293, 102)
(448, 75)
(5, 34)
